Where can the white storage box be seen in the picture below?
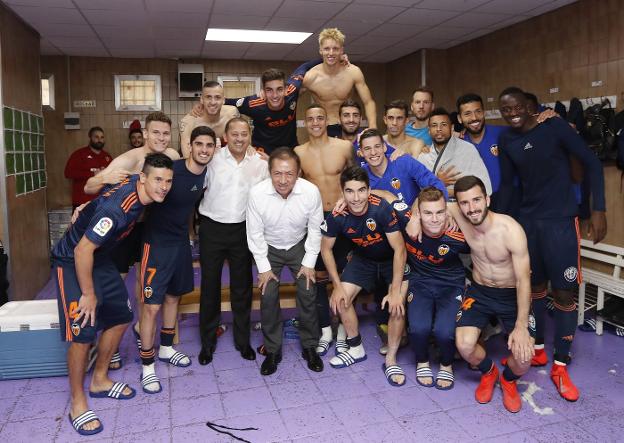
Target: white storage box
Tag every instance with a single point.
(30, 340)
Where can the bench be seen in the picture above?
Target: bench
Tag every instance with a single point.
(607, 278)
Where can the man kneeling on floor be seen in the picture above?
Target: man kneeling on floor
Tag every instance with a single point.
(91, 294)
(436, 285)
(379, 253)
(501, 287)
(284, 214)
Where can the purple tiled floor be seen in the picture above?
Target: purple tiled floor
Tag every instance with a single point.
(353, 404)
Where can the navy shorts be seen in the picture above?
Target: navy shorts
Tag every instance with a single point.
(128, 251)
(342, 248)
(113, 306)
(554, 250)
(367, 273)
(482, 303)
(166, 270)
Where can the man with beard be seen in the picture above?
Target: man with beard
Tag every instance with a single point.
(214, 114)
(450, 157)
(136, 138)
(422, 105)
(86, 162)
(501, 287)
(538, 154)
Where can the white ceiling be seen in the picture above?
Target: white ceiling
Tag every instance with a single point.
(376, 31)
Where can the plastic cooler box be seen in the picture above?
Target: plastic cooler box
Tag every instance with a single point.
(30, 341)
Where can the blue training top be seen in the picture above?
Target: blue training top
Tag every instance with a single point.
(422, 133)
(540, 159)
(488, 150)
(367, 231)
(436, 259)
(168, 222)
(405, 177)
(105, 220)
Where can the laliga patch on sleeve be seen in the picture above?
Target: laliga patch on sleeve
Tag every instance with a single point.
(401, 206)
(324, 226)
(239, 102)
(103, 226)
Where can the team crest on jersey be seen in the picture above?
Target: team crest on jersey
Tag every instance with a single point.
(239, 102)
(75, 328)
(371, 224)
(148, 291)
(570, 274)
(410, 297)
(324, 226)
(443, 249)
(293, 105)
(531, 322)
(406, 269)
(401, 206)
(494, 150)
(102, 227)
(396, 183)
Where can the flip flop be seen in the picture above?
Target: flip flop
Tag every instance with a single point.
(392, 370)
(149, 379)
(345, 359)
(445, 375)
(323, 347)
(341, 347)
(116, 392)
(83, 419)
(176, 359)
(116, 358)
(425, 371)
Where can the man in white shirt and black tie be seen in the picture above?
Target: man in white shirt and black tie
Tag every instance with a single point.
(232, 172)
(284, 215)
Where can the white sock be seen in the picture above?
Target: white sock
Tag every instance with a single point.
(341, 334)
(326, 333)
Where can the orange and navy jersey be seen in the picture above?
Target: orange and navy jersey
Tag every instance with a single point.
(433, 258)
(105, 220)
(273, 129)
(367, 231)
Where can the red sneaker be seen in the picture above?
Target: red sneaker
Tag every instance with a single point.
(485, 390)
(540, 358)
(560, 377)
(511, 397)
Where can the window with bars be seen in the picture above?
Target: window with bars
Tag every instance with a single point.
(137, 93)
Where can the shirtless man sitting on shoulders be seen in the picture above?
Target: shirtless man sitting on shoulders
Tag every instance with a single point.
(331, 82)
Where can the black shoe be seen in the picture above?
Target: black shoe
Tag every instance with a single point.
(314, 361)
(205, 355)
(247, 352)
(269, 365)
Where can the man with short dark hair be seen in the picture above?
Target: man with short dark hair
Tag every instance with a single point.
(539, 155)
(85, 163)
(379, 251)
(167, 263)
(284, 215)
(350, 114)
(136, 138)
(91, 294)
(214, 114)
(450, 157)
(395, 118)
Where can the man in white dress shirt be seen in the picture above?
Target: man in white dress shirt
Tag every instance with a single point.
(284, 215)
(222, 236)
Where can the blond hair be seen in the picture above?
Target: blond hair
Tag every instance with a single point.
(332, 33)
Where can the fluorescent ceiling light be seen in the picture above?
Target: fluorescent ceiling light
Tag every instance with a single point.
(255, 36)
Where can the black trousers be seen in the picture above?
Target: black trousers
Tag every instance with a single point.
(219, 242)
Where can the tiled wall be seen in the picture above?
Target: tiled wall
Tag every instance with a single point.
(24, 149)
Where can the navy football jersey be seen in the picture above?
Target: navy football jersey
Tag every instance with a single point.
(274, 129)
(434, 259)
(168, 222)
(105, 220)
(367, 231)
